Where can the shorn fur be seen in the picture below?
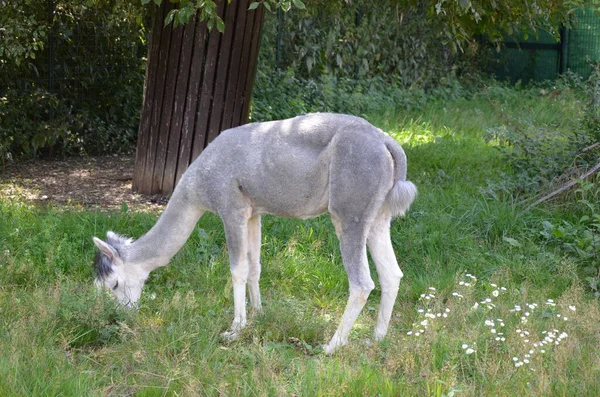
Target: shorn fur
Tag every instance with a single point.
(300, 167)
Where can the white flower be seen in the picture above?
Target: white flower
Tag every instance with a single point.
(424, 323)
(431, 288)
(493, 285)
(465, 346)
(515, 359)
(495, 293)
(457, 295)
(489, 323)
(572, 308)
(469, 351)
(409, 333)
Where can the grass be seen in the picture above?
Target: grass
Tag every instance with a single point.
(60, 337)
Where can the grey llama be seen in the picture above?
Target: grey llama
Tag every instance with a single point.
(301, 168)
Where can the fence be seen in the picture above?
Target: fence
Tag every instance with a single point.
(545, 58)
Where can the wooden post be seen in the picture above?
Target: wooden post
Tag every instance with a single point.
(198, 83)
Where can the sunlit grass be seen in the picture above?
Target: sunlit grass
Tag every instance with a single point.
(473, 268)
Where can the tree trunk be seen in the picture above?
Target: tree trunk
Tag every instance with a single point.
(198, 83)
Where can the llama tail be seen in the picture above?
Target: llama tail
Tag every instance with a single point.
(404, 192)
(401, 197)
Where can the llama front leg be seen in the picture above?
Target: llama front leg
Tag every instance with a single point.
(382, 252)
(236, 231)
(254, 242)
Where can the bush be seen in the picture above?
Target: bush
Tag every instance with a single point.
(581, 238)
(282, 94)
(73, 84)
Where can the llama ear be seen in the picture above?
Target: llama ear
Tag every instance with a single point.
(106, 249)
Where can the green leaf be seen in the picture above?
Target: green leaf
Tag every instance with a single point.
(299, 4)
(157, 2)
(144, 2)
(254, 5)
(220, 25)
(170, 16)
(511, 241)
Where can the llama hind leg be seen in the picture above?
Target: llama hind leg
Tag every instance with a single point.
(354, 256)
(380, 245)
(236, 231)
(254, 242)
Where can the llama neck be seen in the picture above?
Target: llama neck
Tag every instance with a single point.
(156, 248)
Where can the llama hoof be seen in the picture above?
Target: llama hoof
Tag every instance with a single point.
(256, 312)
(328, 349)
(331, 348)
(230, 336)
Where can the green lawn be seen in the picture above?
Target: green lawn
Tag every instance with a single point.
(486, 307)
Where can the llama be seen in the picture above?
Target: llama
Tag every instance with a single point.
(301, 168)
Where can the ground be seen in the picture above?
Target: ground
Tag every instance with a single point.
(102, 183)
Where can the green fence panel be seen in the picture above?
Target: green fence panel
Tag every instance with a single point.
(584, 43)
(538, 58)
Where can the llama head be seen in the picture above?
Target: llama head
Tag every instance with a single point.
(124, 280)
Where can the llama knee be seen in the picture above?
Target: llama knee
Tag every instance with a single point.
(254, 273)
(390, 281)
(362, 290)
(240, 273)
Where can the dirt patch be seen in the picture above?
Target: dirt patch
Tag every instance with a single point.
(102, 183)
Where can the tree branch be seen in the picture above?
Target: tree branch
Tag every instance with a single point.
(563, 188)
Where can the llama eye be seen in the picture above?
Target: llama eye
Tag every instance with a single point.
(116, 286)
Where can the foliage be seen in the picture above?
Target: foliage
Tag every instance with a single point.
(581, 238)
(356, 40)
(75, 84)
(281, 94)
(541, 152)
(462, 20)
